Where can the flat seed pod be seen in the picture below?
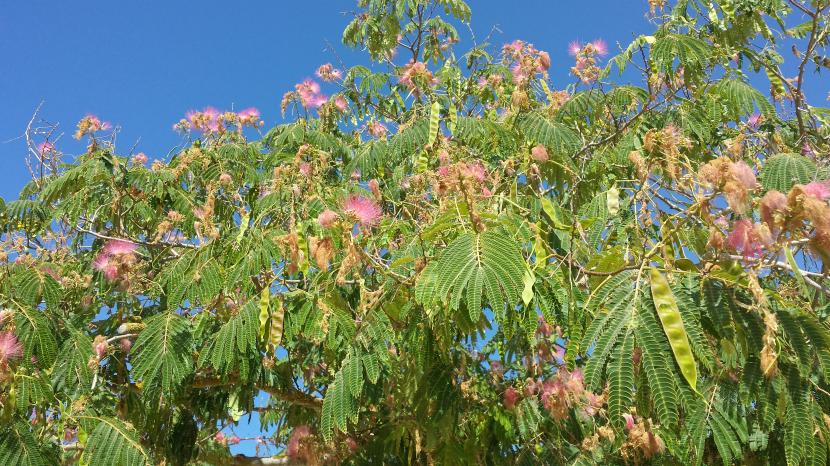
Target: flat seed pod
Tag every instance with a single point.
(669, 313)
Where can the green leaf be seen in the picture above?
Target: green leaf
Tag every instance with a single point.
(783, 171)
(113, 442)
(18, 447)
(162, 356)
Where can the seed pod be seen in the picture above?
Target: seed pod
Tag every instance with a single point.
(612, 200)
(277, 316)
(434, 121)
(669, 313)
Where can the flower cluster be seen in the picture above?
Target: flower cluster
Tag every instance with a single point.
(328, 73)
(735, 179)
(116, 259)
(586, 68)
(461, 177)
(89, 125)
(309, 93)
(364, 210)
(416, 77)
(376, 129)
(10, 348)
(665, 145)
(300, 444)
(526, 60)
(212, 121)
(642, 441)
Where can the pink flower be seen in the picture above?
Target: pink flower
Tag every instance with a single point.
(365, 210)
(744, 174)
(225, 179)
(539, 153)
(376, 129)
(486, 193)
(629, 421)
(140, 158)
(115, 247)
(544, 61)
(773, 203)
(219, 437)
(249, 116)
(45, 147)
(328, 73)
(574, 48)
(234, 440)
(806, 149)
(10, 347)
(820, 191)
(754, 121)
(600, 47)
(327, 218)
(100, 346)
(340, 103)
(477, 171)
(374, 186)
(126, 345)
(306, 169)
(744, 239)
(510, 397)
(292, 448)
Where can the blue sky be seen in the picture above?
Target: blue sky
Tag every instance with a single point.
(142, 65)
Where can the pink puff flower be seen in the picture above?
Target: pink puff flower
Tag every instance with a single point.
(744, 174)
(327, 218)
(574, 48)
(126, 345)
(10, 347)
(139, 159)
(100, 346)
(744, 239)
(249, 116)
(754, 121)
(305, 169)
(376, 129)
(292, 448)
(510, 397)
(773, 202)
(119, 246)
(544, 61)
(820, 191)
(365, 210)
(340, 103)
(539, 153)
(328, 73)
(477, 171)
(45, 147)
(219, 437)
(629, 421)
(600, 47)
(234, 440)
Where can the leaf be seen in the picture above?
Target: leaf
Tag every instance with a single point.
(487, 264)
(37, 336)
(783, 171)
(658, 368)
(527, 293)
(113, 442)
(18, 447)
(162, 356)
(621, 382)
(667, 310)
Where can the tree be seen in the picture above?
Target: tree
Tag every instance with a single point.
(448, 261)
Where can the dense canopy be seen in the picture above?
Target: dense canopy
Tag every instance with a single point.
(445, 258)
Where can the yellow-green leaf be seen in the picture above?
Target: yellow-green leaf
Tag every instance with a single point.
(528, 281)
(669, 313)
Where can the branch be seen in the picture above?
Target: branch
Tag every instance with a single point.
(292, 396)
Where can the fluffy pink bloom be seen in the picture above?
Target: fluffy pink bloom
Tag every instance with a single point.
(292, 448)
(305, 169)
(318, 100)
(744, 239)
(140, 158)
(234, 440)
(225, 179)
(820, 191)
(376, 129)
(340, 103)
(629, 421)
(10, 348)
(327, 218)
(477, 171)
(754, 120)
(249, 116)
(365, 210)
(45, 147)
(544, 61)
(773, 202)
(574, 48)
(744, 174)
(600, 47)
(103, 265)
(328, 73)
(126, 345)
(219, 437)
(510, 397)
(100, 346)
(539, 153)
(118, 246)
(486, 193)
(309, 92)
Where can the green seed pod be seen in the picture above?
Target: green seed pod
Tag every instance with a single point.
(669, 313)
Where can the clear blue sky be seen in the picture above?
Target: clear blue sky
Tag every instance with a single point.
(141, 65)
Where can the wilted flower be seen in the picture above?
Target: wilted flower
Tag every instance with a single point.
(365, 210)
(327, 218)
(100, 346)
(225, 179)
(89, 125)
(249, 117)
(539, 153)
(415, 75)
(773, 208)
(510, 397)
(294, 447)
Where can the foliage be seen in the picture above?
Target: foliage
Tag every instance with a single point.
(448, 261)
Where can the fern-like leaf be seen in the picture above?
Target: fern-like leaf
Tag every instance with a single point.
(161, 357)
